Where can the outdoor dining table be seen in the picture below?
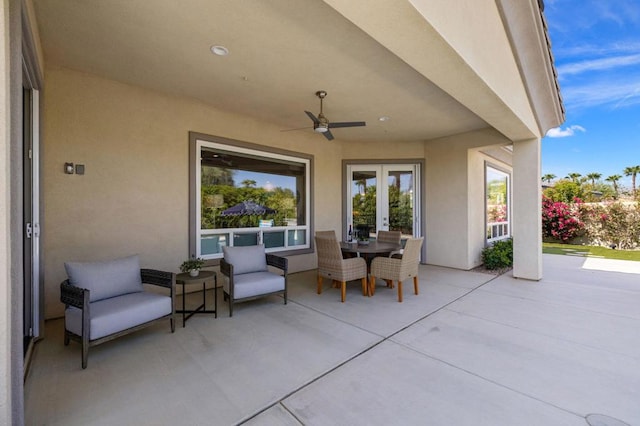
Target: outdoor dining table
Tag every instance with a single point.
(370, 250)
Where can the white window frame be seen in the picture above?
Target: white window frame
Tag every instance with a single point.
(496, 231)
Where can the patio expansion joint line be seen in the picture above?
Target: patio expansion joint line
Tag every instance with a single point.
(357, 355)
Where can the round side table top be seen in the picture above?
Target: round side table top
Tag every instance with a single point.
(186, 278)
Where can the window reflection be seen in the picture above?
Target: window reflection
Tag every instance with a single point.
(497, 204)
(248, 197)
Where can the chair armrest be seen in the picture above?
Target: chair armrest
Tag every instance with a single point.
(72, 295)
(226, 268)
(159, 278)
(278, 262)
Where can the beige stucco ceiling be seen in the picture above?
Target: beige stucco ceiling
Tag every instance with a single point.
(281, 53)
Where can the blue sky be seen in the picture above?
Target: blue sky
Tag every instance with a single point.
(596, 46)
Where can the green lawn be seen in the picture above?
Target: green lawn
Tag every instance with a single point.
(575, 250)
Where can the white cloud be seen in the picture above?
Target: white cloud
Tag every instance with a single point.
(616, 92)
(558, 132)
(598, 65)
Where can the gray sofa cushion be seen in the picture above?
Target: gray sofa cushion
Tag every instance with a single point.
(106, 279)
(254, 284)
(109, 316)
(246, 259)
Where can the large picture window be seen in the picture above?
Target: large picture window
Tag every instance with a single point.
(497, 204)
(242, 195)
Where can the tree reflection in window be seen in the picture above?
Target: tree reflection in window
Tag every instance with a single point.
(228, 180)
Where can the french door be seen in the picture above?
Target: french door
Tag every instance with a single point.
(31, 243)
(383, 197)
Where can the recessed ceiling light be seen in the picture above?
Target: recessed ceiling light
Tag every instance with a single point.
(384, 118)
(219, 50)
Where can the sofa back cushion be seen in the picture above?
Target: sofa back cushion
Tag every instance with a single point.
(107, 278)
(246, 259)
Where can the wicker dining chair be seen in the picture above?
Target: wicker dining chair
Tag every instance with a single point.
(331, 265)
(393, 237)
(393, 269)
(326, 234)
(389, 237)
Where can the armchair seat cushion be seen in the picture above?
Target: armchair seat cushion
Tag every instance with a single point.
(255, 284)
(116, 314)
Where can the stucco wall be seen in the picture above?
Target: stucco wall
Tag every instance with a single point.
(133, 197)
(5, 240)
(469, 26)
(455, 197)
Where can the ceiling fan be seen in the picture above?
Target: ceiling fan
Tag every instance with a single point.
(322, 125)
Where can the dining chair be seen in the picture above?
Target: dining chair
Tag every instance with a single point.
(394, 269)
(393, 237)
(326, 234)
(331, 265)
(389, 237)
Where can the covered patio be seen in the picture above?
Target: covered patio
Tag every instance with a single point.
(115, 111)
(471, 349)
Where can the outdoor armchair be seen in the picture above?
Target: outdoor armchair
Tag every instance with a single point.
(394, 269)
(248, 275)
(331, 265)
(106, 300)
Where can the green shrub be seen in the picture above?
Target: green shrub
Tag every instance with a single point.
(498, 255)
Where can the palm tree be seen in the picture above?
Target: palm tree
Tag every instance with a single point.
(594, 177)
(574, 177)
(614, 181)
(548, 177)
(632, 171)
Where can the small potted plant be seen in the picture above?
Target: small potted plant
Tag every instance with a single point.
(363, 238)
(192, 266)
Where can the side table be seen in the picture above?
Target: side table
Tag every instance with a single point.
(185, 279)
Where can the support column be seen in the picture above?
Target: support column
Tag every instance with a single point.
(526, 210)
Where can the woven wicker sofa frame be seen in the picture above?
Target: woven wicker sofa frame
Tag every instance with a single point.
(79, 298)
(272, 260)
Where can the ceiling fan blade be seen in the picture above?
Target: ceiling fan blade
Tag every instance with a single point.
(313, 117)
(347, 124)
(297, 128)
(328, 135)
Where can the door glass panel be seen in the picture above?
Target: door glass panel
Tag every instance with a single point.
(363, 203)
(400, 201)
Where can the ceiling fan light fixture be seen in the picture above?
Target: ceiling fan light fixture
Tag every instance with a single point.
(321, 128)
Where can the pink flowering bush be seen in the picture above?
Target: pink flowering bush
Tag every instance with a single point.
(611, 224)
(560, 221)
(497, 213)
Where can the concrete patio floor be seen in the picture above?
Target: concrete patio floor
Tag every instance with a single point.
(471, 349)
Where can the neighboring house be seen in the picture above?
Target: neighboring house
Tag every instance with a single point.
(452, 93)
